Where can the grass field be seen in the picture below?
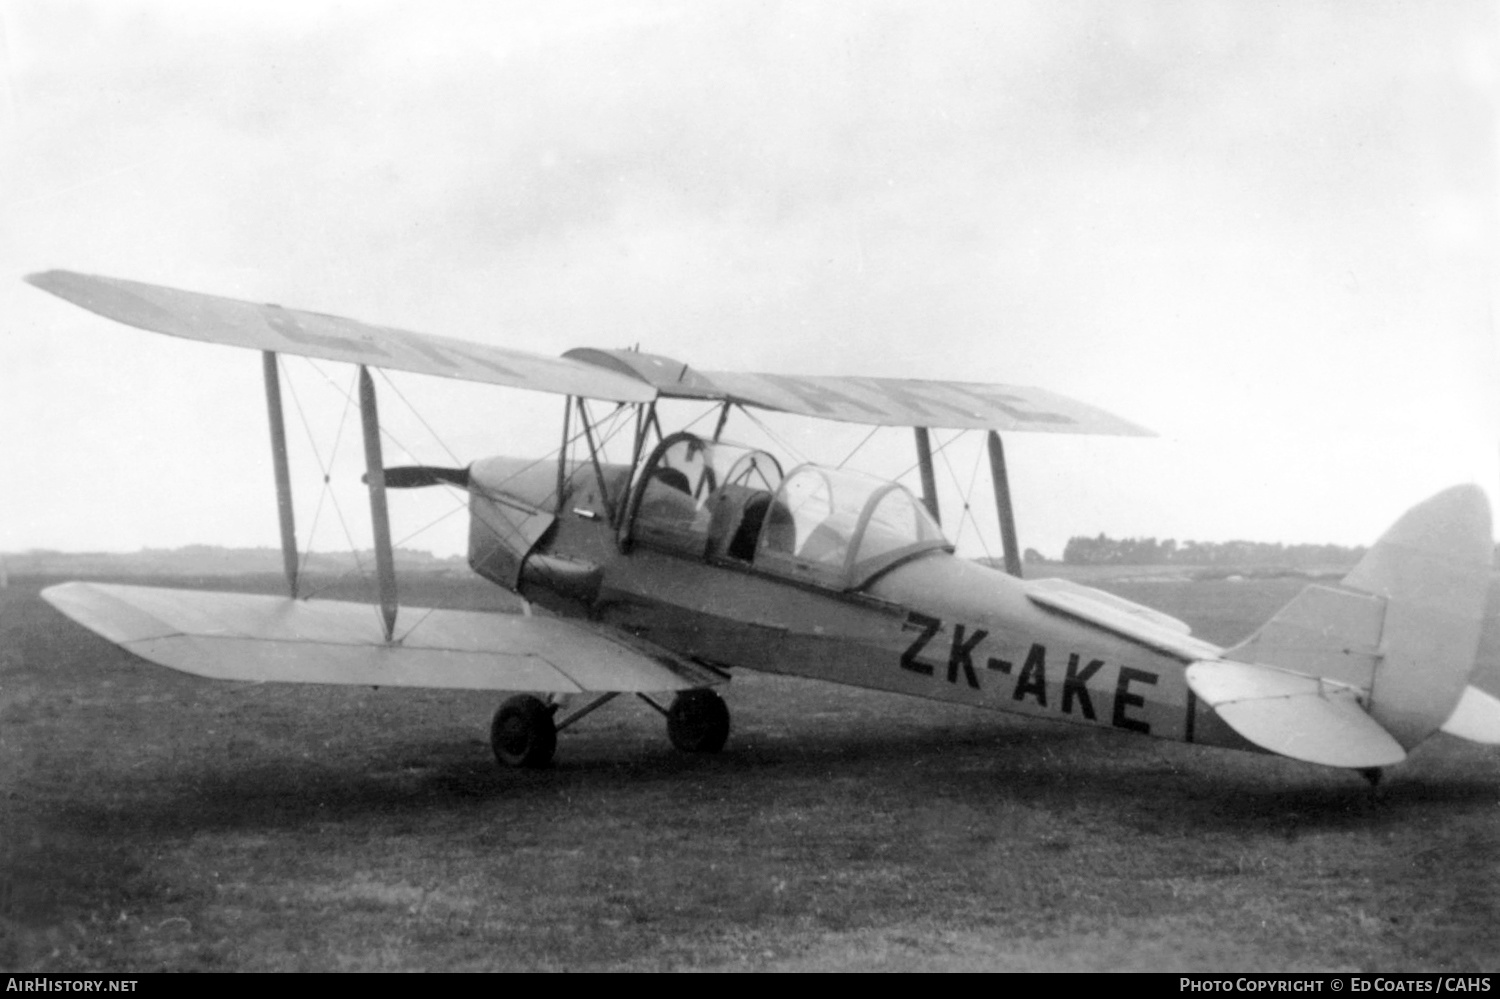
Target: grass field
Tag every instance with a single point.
(153, 821)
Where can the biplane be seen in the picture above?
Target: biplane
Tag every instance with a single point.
(662, 575)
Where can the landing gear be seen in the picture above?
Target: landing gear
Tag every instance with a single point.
(1371, 774)
(698, 721)
(523, 734)
(524, 730)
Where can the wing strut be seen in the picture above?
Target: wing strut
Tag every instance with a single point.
(283, 476)
(562, 455)
(929, 480)
(385, 563)
(1003, 506)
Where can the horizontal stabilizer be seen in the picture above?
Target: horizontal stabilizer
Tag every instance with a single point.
(1119, 616)
(1302, 717)
(1477, 717)
(241, 636)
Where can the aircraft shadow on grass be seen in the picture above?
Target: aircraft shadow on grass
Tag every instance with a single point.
(1045, 769)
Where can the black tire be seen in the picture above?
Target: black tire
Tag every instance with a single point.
(522, 733)
(698, 721)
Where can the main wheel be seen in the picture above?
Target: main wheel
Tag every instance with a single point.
(698, 721)
(522, 733)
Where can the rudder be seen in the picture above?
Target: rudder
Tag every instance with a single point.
(1433, 570)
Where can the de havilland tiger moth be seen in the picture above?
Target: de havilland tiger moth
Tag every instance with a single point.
(663, 575)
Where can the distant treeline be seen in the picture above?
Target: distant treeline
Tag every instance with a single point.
(1104, 550)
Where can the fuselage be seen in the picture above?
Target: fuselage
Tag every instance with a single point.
(912, 618)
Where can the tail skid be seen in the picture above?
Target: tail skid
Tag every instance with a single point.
(1357, 675)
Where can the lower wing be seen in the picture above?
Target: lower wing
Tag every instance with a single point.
(241, 636)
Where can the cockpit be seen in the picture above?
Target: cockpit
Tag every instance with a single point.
(832, 527)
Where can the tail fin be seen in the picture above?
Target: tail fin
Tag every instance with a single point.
(1433, 568)
(1404, 627)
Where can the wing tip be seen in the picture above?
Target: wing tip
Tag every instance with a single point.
(43, 279)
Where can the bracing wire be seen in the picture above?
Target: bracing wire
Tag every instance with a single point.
(978, 534)
(965, 514)
(850, 456)
(936, 451)
(710, 411)
(966, 495)
(775, 438)
(427, 612)
(349, 397)
(427, 526)
(413, 410)
(327, 485)
(326, 468)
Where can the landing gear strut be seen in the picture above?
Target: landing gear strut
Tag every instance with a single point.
(523, 734)
(698, 721)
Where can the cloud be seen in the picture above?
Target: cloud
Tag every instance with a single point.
(1225, 220)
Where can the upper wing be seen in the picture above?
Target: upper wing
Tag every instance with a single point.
(911, 402)
(894, 402)
(241, 636)
(614, 375)
(311, 334)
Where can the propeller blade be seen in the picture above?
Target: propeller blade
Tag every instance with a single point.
(417, 476)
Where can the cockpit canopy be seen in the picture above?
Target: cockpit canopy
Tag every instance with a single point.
(699, 497)
(828, 526)
(840, 527)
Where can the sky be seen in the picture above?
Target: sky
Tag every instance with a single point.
(1265, 231)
